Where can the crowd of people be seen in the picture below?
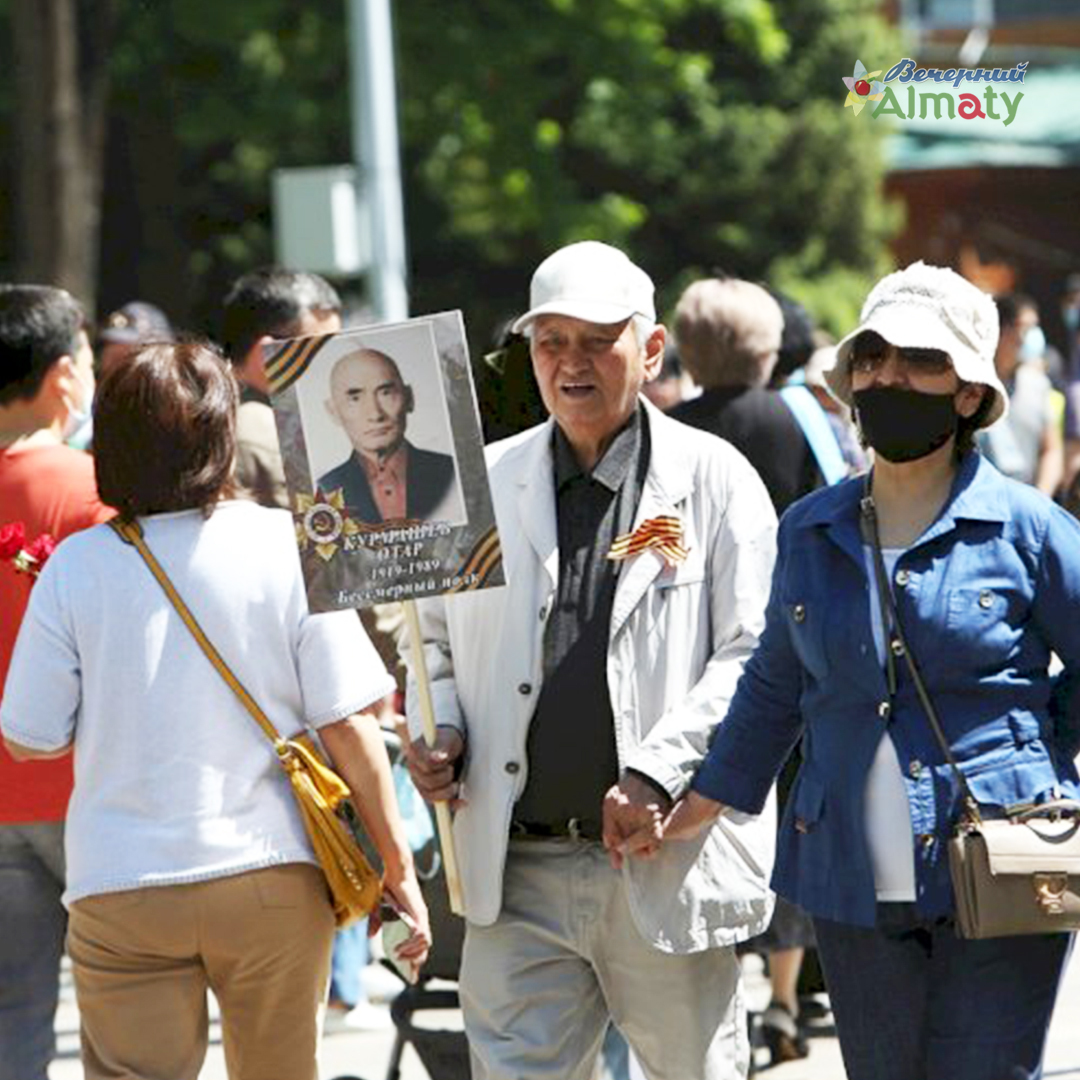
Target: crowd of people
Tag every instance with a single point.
(679, 732)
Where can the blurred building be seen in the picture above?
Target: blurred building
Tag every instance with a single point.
(996, 202)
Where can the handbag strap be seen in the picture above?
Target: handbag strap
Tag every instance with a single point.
(131, 533)
(897, 646)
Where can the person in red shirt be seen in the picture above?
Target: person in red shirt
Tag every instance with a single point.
(46, 388)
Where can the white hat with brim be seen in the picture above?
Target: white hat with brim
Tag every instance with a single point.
(590, 281)
(930, 307)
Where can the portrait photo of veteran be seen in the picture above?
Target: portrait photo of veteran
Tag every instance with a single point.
(577, 703)
(386, 477)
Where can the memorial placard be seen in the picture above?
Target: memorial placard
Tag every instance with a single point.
(384, 462)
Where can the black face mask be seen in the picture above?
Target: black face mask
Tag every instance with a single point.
(905, 425)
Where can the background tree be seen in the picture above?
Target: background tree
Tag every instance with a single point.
(60, 51)
(699, 134)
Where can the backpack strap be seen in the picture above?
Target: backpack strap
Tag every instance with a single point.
(815, 425)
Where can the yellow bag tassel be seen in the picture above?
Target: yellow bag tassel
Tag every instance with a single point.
(355, 887)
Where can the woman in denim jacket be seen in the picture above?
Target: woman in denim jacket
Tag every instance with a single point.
(986, 578)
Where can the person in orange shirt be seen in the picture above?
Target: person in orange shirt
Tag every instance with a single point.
(46, 388)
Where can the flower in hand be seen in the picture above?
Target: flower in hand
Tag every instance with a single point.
(12, 539)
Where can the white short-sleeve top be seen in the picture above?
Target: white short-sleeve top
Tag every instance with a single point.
(174, 781)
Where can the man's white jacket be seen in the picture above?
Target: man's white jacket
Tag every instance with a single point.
(679, 638)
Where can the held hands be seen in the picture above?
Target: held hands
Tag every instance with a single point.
(634, 813)
(433, 768)
(691, 815)
(636, 824)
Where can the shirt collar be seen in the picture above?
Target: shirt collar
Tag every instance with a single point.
(977, 495)
(393, 463)
(612, 469)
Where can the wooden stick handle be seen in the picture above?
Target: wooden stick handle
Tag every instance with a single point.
(427, 715)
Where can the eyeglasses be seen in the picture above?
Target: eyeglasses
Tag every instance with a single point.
(926, 361)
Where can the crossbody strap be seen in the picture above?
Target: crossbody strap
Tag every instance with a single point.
(897, 646)
(131, 533)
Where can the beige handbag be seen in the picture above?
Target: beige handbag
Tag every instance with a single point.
(1018, 875)
(322, 796)
(1014, 875)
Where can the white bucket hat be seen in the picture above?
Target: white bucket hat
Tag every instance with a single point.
(930, 307)
(590, 281)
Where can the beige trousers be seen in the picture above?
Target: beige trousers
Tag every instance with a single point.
(143, 961)
(539, 986)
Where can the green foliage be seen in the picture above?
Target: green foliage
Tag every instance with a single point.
(698, 134)
(223, 93)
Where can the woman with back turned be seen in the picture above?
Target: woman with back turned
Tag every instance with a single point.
(188, 865)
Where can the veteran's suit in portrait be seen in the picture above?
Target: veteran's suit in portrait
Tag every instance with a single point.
(430, 476)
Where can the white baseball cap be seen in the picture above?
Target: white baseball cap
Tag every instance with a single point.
(930, 307)
(590, 281)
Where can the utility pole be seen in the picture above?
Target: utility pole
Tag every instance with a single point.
(377, 154)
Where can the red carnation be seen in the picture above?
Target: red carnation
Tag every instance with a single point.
(40, 549)
(12, 538)
(28, 559)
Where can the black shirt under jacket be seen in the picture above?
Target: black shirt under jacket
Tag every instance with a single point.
(571, 743)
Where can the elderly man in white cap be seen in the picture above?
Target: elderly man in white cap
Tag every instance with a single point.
(576, 704)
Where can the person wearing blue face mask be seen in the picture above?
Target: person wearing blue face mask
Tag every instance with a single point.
(79, 426)
(1033, 345)
(1029, 444)
(984, 574)
(1070, 319)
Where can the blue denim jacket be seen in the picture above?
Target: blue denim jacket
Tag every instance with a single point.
(984, 596)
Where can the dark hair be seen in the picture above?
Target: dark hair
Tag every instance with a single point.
(272, 301)
(165, 430)
(38, 325)
(796, 340)
(1008, 307)
(968, 426)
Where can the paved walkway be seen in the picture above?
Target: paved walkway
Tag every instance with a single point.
(366, 1055)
